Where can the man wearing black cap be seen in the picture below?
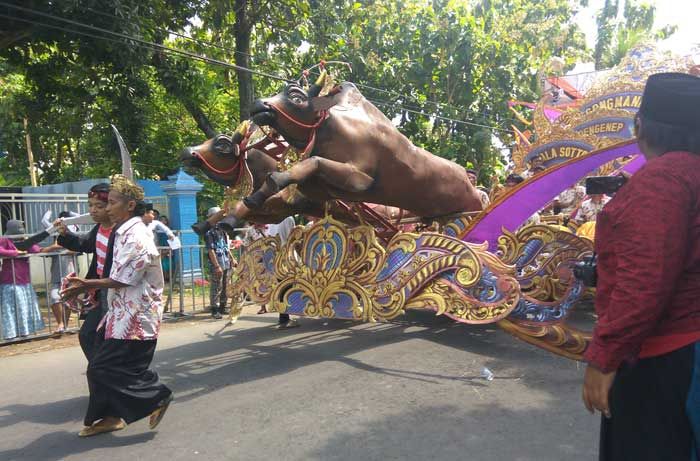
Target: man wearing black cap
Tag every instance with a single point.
(643, 370)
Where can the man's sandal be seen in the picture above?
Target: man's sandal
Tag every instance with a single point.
(99, 428)
(158, 414)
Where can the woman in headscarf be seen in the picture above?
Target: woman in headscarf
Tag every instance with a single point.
(18, 301)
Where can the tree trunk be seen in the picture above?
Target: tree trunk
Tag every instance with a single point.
(173, 87)
(242, 29)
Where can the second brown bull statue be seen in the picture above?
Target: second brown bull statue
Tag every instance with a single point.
(352, 152)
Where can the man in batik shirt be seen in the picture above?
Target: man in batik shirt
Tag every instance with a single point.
(568, 201)
(122, 387)
(591, 207)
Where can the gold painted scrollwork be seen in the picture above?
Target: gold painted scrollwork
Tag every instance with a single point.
(253, 275)
(544, 255)
(559, 339)
(325, 266)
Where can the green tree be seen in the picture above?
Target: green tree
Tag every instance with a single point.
(619, 30)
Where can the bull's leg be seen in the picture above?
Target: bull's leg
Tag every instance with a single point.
(343, 176)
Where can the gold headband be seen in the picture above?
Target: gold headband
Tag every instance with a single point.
(126, 187)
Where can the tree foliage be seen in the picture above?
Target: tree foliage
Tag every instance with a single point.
(621, 26)
(442, 69)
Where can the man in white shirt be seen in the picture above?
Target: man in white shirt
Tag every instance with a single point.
(283, 229)
(123, 388)
(154, 225)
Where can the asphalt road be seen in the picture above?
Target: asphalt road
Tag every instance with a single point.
(330, 390)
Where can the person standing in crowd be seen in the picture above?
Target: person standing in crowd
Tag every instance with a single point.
(122, 387)
(153, 224)
(283, 229)
(162, 234)
(568, 201)
(165, 254)
(643, 371)
(62, 264)
(216, 242)
(589, 209)
(483, 196)
(18, 301)
(96, 241)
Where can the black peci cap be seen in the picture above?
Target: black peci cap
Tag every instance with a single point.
(672, 99)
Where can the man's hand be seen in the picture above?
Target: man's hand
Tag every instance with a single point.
(76, 286)
(596, 390)
(60, 226)
(218, 271)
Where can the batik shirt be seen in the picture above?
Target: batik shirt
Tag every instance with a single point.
(570, 198)
(217, 240)
(589, 210)
(134, 311)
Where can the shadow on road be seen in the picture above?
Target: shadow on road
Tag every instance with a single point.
(235, 355)
(56, 446)
(52, 413)
(447, 432)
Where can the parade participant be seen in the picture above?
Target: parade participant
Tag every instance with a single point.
(643, 370)
(122, 387)
(62, 264)
(150, 219)
(221, 261)
(483, 196)
(589, 209)
(568, 201)
(283, 229)
(97, 242)
(18, 303)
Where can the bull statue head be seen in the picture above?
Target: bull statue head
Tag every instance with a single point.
(293, 111)
(217, 157)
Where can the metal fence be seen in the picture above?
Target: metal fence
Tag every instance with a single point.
(185, 292)
(30, 207)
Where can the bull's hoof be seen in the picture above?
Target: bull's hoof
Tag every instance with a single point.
(273, 183)
(201, 227)
(229, 224)
(255, 200)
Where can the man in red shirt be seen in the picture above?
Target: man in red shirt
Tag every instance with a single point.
(643, 370)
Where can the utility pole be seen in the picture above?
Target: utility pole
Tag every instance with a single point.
(30, 155)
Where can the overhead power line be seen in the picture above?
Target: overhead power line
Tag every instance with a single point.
(205, 43)
(144, 42)
(174, 51)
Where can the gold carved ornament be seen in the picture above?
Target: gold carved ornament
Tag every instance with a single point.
(419, 285)
(546, 275)
(252, 277)
(325, 264)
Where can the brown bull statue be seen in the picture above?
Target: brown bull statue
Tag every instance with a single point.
(224, 161)
(351, 151)
(221, 159)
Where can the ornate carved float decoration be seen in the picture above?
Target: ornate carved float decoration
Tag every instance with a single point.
(475, 269)
(603, 117)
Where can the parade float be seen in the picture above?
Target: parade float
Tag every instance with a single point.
(364, 262)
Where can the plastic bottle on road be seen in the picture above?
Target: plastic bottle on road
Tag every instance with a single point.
(487, 374)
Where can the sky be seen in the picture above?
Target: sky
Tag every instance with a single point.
(683, 13)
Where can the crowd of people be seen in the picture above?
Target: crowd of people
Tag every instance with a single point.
(572, 208)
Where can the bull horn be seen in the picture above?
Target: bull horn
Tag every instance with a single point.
(241, 132)
(316, 88)
(321, 80)
(243, 127)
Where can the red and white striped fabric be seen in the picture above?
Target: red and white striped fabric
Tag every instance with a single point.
(101, 241)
